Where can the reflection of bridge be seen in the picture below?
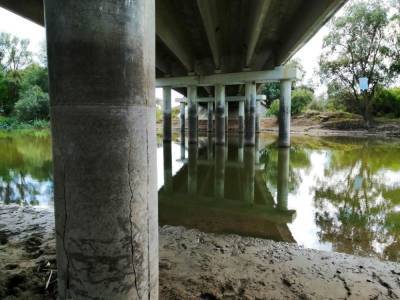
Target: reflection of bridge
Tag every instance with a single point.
(221, 189)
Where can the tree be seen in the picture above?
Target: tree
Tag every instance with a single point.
(14, 53)
(33, 105)
(359, 45)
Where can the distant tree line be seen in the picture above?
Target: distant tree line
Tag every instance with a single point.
(24, 87)
(364, 41)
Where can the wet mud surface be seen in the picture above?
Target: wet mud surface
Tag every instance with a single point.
(196, 265)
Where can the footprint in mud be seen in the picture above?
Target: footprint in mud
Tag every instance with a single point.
(32, 245)
(4, 237)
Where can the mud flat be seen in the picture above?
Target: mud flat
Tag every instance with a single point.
(196, 265)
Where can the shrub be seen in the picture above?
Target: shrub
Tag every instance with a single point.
(273, 109)
(387, 102)
(33, 105)
(301, 98)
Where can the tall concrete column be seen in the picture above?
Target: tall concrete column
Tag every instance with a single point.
(283, 177)
(250, 171)
(220, 157)
(257, 116)
(167, 156)
(210, 147)
(240, 148)
(167, 114)
(210, 121)
(192, 169)
(183, 148)
(257, 149)
(241, 116)
(192, 111)
(226, 116)
(250, 109)
(182, 118)
(220, 114)
(284, 113)
(101, 57)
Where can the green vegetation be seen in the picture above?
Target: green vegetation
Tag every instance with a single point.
(301, 99)
(24, 99)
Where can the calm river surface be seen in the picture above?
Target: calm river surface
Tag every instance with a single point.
(334, 194)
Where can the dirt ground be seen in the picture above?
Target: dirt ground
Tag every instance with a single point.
(335, 124)
(196, 265)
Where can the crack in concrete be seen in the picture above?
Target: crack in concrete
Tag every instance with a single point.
(346, 286)
(130, 217)
(386, 285)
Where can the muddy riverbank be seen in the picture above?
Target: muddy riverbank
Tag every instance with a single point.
(195, 265)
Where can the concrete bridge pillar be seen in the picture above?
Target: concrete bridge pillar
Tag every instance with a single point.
(226, 116)
(101, 73)
(240, 148)
(250, 109)
(183, 147)
(220, 114)
(283, 177)
(220, 157)
(210, 108)
(192, 110)
(284, 113)
(258, 129)
(182, 118)
(167, 156)
(167, 114)
(192, 169)
(210, 147)
(241, 117)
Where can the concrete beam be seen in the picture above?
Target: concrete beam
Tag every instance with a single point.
(227, 99)
(31, 10)
(279, 73)
(208, 12)
(257, 18)
(306, 23)
(172, 34)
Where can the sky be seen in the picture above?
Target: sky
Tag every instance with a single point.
(23, 28)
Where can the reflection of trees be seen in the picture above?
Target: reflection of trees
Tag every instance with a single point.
(25, 165)
(355, 206)
(299, 160)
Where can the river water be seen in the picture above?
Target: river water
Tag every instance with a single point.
(333, 194)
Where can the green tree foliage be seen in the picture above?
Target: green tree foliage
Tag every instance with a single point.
(9, 93)
(35, 75)
(301, 98)
(387, 102)
(33, 105)
(14, 53)
(360, 44)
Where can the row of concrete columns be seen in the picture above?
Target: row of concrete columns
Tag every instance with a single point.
(248, 156)
(248, 114)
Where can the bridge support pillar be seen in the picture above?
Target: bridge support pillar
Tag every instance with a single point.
(241, 116)
(192, 110)
(240, 148)
(192, 169)
(250, 108)
(220, 157)
(167, 114)
(283, 177)
(104, 147)
(167, 156)
(284, 113)
(258, 129)
(210, 121)
(182, 119)
(220, 114)
(226, 116)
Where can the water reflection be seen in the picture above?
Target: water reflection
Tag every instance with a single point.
(26, 170)
(335, 194)
(221, 189)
